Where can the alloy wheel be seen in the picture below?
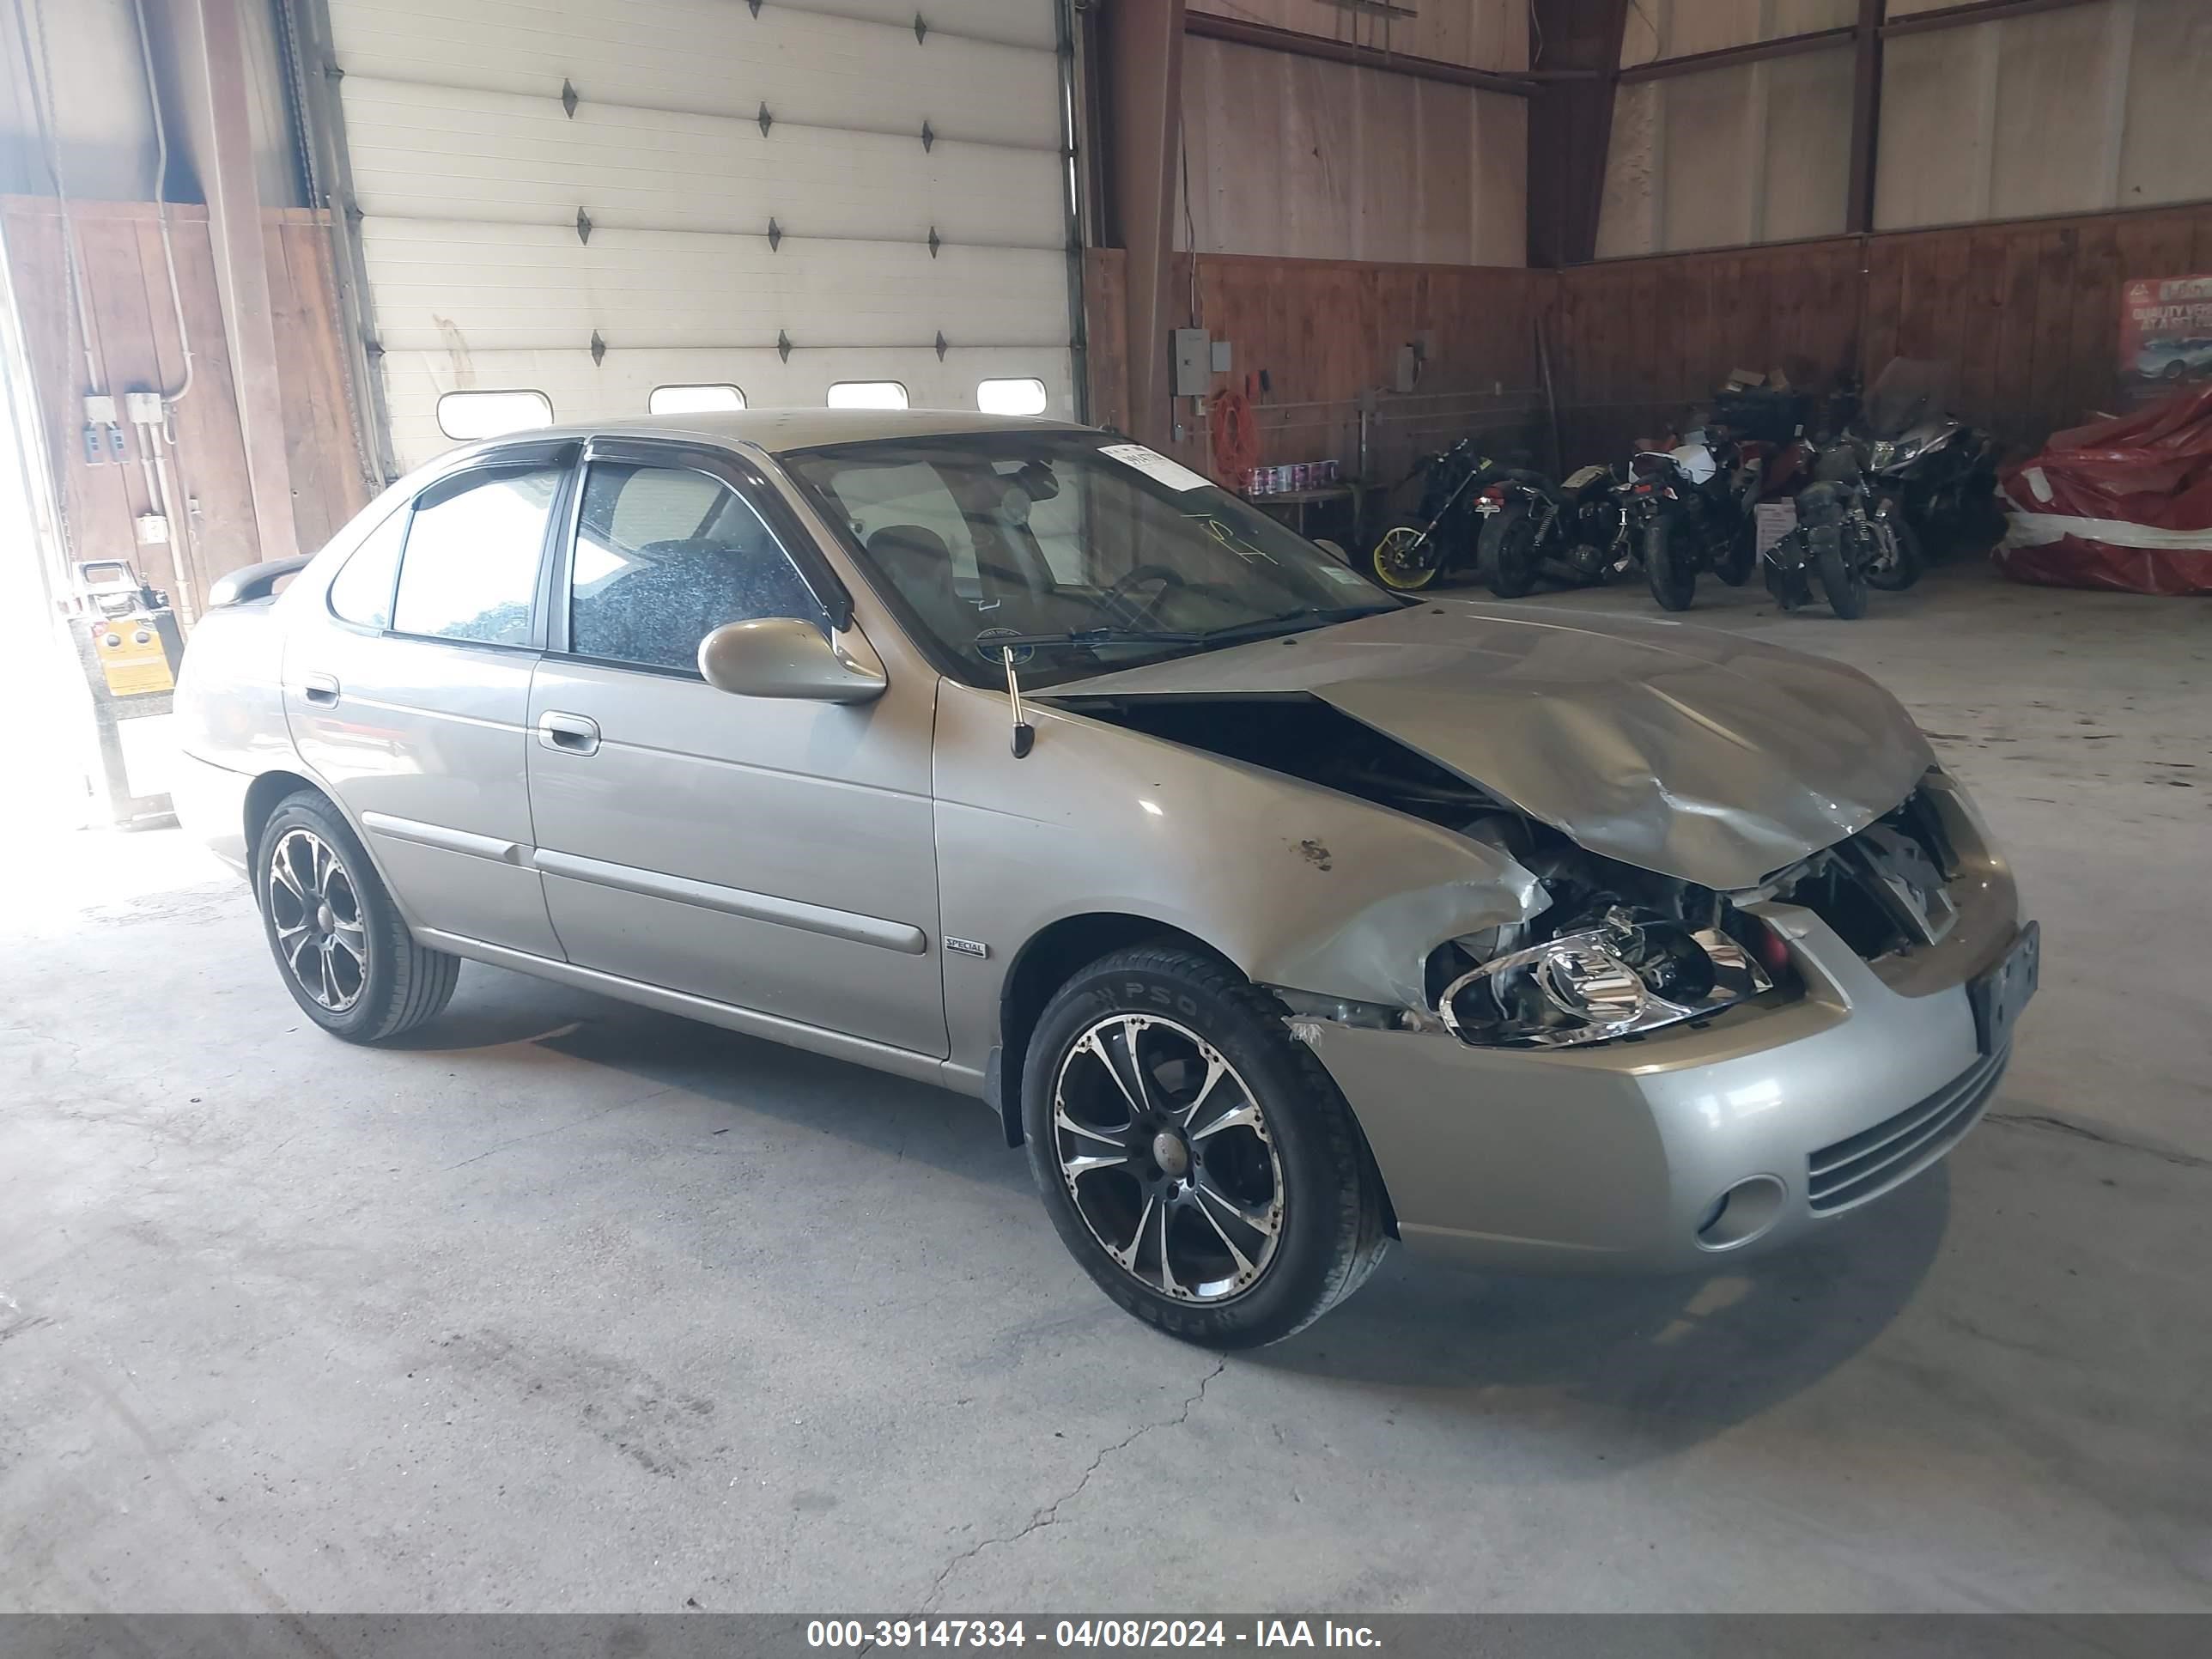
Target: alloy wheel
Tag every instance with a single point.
(320, 936)
(1166, 1153)
(1407, 558)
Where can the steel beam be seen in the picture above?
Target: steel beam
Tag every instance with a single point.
(216, 73)
(1143, 70)
(1212, 26)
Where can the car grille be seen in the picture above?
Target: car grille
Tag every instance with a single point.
(1868, 1163)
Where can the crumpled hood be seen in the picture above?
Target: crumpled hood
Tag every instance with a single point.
(1697, 754)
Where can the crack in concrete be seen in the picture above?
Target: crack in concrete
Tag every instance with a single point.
(555, 1129)
(2083, 1131)
(1050, 1515)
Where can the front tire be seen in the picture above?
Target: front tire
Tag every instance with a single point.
(1408, 557)
(341, 946)
(1509, 548)
(1673, 580)
(1201, 1165)
(1901, 572)
(1843, 583)
(1735, 560)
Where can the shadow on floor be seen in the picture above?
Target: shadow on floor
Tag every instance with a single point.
(1679, 1357)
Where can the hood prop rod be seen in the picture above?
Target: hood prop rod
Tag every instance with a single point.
(1024, 734)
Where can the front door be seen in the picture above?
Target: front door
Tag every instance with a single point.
(772, 854)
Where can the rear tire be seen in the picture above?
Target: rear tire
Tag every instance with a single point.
(1509, 548)
(1843, 585)
(341, 946)
(1673, 584)
(1128, 1196)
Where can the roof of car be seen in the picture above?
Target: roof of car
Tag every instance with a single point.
(779, 431)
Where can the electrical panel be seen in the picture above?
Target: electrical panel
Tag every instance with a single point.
(1193, 371)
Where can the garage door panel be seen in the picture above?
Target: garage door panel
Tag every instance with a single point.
(467, 172)
(713, 57)
(519, 287)
(622, 383)
(446, 152)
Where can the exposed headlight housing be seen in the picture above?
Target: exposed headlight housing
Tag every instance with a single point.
(1630, 974)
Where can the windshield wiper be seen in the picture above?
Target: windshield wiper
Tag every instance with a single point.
(1315, 615)
(990, 644)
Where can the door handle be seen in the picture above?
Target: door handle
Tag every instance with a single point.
(572, 734)
(321, 688)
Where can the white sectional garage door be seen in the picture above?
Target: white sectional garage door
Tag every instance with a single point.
(594, 198)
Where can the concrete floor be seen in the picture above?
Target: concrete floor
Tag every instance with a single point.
(568, 1305)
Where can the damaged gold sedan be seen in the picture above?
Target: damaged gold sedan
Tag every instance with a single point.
(1279, 918)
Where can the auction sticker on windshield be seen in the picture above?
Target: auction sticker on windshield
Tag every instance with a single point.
(1153, 465)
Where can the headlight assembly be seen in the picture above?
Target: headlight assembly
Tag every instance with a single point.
(1630, 974)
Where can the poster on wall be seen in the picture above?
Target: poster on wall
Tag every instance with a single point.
(2166, 337)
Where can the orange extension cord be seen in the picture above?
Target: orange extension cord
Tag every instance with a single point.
(1236, 439)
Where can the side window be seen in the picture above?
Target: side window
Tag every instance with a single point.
(664, 555)
(361, 591)
(469, 570)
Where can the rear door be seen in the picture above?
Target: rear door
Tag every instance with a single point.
(408, 691)
(775, 855)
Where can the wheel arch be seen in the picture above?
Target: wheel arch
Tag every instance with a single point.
(269, 789)
(1047, 960)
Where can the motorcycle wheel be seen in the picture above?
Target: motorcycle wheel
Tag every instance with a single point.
(1843, 583)
(1509, 548)
(1408, 557)
(1901, 572)
(1733, 563)
(1673, 580)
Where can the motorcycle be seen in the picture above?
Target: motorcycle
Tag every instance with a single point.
(1691, 507)
(1441, 535)
(1848, 534)
(1898, 560)
(1575, 529)
(1942, 472)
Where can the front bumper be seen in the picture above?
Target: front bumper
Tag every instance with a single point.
(1612, 1158)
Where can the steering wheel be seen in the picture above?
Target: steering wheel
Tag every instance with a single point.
(1120, 594)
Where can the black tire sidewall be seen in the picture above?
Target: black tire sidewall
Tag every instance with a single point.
(1845, 589)
(1734, 564)
(1909, 560)
(1307, 1121)
(1675, 588)
(386, 932)
(1508, 549)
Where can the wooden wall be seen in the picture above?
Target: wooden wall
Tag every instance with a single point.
(1326, 331)
(1292, 157)
(2028, 312)
(134, 328)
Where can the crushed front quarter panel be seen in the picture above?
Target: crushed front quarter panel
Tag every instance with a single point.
(1298, 885)
(1696, 754)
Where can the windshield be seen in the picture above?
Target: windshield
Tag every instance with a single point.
(1082, 552)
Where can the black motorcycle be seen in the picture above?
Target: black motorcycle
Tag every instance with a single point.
(1690, 508)
(1442, 534)
(1574, 531)
(1943, 472)
(1849, 535)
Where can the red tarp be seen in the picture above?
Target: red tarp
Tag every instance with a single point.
(2124, 503)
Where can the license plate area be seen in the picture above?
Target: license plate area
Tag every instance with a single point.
(1999, 995)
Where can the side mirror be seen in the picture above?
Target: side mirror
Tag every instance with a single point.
(784, 657)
